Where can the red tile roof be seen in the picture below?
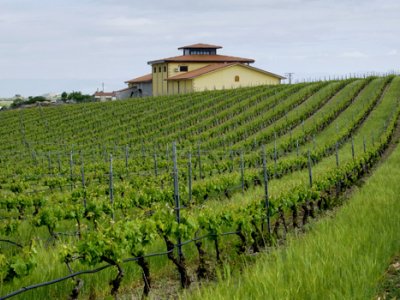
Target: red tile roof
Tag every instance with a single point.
(105, 94)
(203, 58)
(214, 67)
(200, 71)
(200, 46)
(145, 78)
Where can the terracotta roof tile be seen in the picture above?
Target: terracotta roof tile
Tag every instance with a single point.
(200, 71)
(145, 78)
(203, 58)
(111, 94)
(214, 67)
(200, 46)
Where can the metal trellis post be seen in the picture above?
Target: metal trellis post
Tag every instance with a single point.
(264, 161)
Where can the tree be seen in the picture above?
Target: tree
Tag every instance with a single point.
(79, 97)
(64, 96)
(17, 103)
(35, 99)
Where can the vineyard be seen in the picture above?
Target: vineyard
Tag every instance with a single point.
(126, 197)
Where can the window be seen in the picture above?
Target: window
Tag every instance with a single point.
(155, 70)
(200, 52)
(165, 68)
(183, 68)
(237, 78)
(159, 69)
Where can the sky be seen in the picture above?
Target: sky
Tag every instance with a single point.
(50, 46)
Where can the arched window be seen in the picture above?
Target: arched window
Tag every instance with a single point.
(237, 78)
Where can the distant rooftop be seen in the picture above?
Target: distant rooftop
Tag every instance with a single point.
(145, 78)
(200, 46)
(105, 94)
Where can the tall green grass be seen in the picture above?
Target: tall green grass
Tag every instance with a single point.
(342, 257)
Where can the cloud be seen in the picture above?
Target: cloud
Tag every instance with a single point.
(354, 54)
(124, 23)
(100, 40)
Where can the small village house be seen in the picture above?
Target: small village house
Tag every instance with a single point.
(104, 96)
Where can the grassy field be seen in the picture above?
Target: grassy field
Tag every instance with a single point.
(341, 257)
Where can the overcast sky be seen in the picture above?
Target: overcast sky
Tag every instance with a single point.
(57, 45)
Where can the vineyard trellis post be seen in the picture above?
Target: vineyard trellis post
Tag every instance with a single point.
(59, 163)
(83, 180)
(265, 175)
(199, 161)
(275, 156)
(297, 147)
(190, 176)
(155, 164)
(49, 162)
(242, 170)
(111, 187)
(310, 169)
(126, 157)
(71, 166)
(337, 154)
(352, 148)
(364, 145)
(176, 198)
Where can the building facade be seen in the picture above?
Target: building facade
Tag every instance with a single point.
(202, 68)
(137, 87)
(199, 68)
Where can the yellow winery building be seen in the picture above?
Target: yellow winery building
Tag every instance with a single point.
(200, 68)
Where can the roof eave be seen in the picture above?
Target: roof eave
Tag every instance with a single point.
(143, 81)
(250, 61)
(156, 62)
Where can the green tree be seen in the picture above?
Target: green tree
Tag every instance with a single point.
(64, 96)
(79, 97)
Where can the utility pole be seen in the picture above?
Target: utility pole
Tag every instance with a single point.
(289, 75)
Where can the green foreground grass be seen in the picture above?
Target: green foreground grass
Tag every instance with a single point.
(341, 257)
